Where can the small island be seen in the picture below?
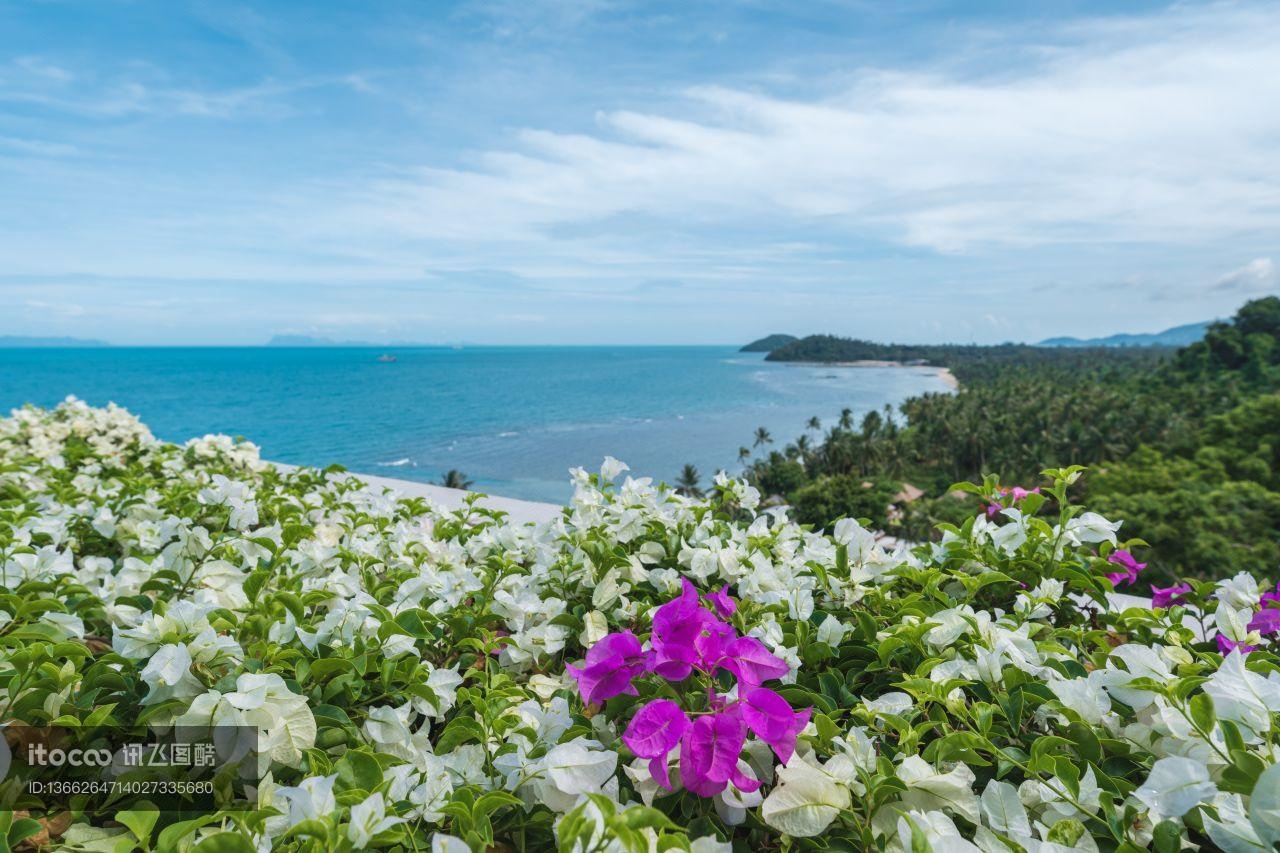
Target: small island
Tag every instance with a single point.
(769, 343)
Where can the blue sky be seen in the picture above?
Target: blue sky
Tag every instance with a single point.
(600, 171)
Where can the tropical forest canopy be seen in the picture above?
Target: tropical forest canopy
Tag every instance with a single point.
(1183, 444)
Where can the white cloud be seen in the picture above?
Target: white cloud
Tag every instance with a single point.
(1152, 129)
(1258, 276)
(58, 309)
(140, 89)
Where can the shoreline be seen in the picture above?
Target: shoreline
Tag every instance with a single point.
(943, 373)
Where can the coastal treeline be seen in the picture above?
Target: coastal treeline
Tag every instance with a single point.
(1183, 444)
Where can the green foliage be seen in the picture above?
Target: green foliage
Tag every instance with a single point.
(1187, 444)
(409, 666)
(769, 343)
(828, 499)
(1205, 522)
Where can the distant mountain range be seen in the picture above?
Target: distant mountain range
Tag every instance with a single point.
(769, 343)
(1178, 336)
(28, 342)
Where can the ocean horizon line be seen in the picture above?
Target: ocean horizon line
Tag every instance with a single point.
(371, 346)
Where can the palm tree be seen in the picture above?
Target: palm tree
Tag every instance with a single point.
(687, 482)
(455, 479)
(815, 424)
(763, 436)
(846, 419)
(743, 453)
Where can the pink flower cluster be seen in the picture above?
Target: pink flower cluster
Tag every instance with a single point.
(1129, 567)
(1016, 492)
(689, 636)
(1167, 596)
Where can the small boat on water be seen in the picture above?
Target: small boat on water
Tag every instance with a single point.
(386, 358)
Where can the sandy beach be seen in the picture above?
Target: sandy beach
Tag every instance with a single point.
(941, 372)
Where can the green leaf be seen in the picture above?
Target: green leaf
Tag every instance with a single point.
(172, 836)
(1231, 736)
(1086, 741)
(643, 817)
(1167, 837)
(140, 820)
(22, 828)
(490, 802)
(359, 770)
(231, 842)
(1066, 831)
(325, 668)
(1202, 713)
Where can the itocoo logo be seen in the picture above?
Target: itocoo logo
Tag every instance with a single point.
(39, 755)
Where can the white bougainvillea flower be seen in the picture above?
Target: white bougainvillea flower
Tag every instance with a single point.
(1175, 786)
(805, 801)
(1243, 696)
(368, 818)
(936, 830)
(928, 789)
(310, 799)
(168, 675)
(573, 769)
(1091, 527)
(1240, 592)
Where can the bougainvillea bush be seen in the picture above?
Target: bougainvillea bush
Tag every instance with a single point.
(649, 672)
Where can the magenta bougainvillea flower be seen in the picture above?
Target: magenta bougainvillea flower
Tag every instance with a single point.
(771, 718)
(1270, 598)
(752, 662)
(690, 636)
(655, 730)
(610, 666)
(1266, 621)
(709, 753)
(724, 605)
(1018, 493)
(1129, 566)
(1226, 645)
(1169, 595)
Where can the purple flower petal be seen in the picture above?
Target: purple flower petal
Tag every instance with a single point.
(1128, 563)
(672, 619)
(670, 668)
(1169, 595)
(656, 729)
(752, 662)
(1225, 645)
(709, 751)
(743, 782)
(610, 666)
(1266, 621)
(766, 713)
(659, 770)
(619, 644)
(771, 718)
(724, 605)
(676, 627)
(710, 644)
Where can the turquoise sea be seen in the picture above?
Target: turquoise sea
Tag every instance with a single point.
(513, 419)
